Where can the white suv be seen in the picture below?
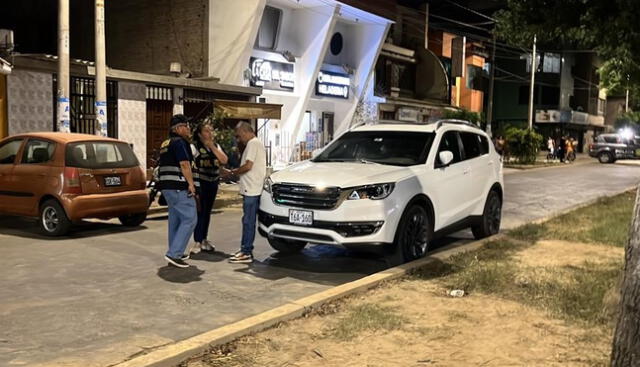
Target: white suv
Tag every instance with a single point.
(388, 185)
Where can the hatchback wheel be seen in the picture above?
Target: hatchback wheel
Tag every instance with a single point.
(53, 219)
(489, 223)
(133, 220)
(414, 233)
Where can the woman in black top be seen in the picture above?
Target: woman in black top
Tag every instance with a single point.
(209, 158)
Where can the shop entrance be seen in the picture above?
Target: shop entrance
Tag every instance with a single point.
(327, 128)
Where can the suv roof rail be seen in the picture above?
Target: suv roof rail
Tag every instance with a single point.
(356, 125)
(440, 123)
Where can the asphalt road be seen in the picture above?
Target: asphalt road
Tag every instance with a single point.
(104, 293)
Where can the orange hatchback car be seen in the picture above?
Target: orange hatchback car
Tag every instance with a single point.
(61, 178)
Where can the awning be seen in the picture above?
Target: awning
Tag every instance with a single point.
(248, 110)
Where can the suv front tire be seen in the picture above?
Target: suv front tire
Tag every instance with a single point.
(414, 233)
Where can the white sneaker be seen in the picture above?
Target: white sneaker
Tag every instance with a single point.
(192, 248)
(207, 246)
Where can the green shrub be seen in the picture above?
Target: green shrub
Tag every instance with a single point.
(523, 144)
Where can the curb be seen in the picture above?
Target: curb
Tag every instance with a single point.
(173, 354)
(519, 170)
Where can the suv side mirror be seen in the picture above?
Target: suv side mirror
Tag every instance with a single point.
(445, 157)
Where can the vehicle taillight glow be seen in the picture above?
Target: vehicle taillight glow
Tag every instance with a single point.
(72, 181)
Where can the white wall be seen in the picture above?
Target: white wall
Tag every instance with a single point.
(233, 26)
(132, 117)
(29, 101)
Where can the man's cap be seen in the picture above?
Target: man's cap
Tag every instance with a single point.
(179, 119)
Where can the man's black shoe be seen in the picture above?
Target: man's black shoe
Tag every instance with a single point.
(176, 262)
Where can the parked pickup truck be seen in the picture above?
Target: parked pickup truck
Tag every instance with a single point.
(610, 147)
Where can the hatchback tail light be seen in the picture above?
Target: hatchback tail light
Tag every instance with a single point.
(72, 181)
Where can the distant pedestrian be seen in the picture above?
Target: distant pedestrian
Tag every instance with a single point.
(209, 159)
(551, 148)
(178, 185)
(561, 148)
(500, 145)
(252, 172)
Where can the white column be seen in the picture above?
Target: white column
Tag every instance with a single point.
(101, 75)
(64, 115)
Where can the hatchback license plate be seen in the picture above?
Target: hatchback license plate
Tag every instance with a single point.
(112, 181)
(304, 217)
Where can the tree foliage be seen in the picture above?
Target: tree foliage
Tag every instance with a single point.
(464, 114)
(610, 27)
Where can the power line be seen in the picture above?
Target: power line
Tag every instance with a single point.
(472, 11)
(459, 23)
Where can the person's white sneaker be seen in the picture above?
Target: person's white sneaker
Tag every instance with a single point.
(207, 246)
(192, 248)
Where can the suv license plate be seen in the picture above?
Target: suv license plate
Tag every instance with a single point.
(112, 181)
(304, 217)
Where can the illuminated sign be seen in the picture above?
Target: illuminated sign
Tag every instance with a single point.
(271, 74)
(333, 84)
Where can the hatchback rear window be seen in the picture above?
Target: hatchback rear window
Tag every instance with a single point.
(100, 154)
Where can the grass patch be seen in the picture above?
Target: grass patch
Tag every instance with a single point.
(606, 221)
(366, 317)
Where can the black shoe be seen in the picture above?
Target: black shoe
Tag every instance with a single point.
(176, 262)
(185, 257)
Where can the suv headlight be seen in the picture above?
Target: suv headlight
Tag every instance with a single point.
(373, 192)
(267, 185)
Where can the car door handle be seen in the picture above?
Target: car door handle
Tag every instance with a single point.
(466, 171)
(42, 174)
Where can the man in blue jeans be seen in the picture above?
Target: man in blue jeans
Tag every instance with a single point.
(176, 180)
(252, 171)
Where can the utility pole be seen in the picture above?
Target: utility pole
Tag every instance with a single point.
(64, 114)
(533, 80)
(492, 74)
(101, 77)
(626, 101)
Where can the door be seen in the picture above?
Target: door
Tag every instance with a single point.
(476, 154)
(32, 174)
(159, 112)
(327, 126)
(450, 183)
(10, 194)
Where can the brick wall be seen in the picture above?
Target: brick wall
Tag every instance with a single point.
(147, 35)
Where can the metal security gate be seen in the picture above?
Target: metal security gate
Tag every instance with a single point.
(83, 106)
(83, 109)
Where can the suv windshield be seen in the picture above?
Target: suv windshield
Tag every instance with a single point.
(398, 148)
(100, 154)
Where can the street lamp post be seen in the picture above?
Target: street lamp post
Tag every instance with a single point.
(533, 80)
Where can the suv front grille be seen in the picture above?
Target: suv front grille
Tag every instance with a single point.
(304, 196)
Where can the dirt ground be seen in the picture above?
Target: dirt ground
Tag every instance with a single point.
(433, 328)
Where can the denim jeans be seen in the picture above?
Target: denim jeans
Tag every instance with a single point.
(250, 205)
(182, 220)
(208, 192)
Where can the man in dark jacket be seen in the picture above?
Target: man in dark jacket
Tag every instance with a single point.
(178, 185)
